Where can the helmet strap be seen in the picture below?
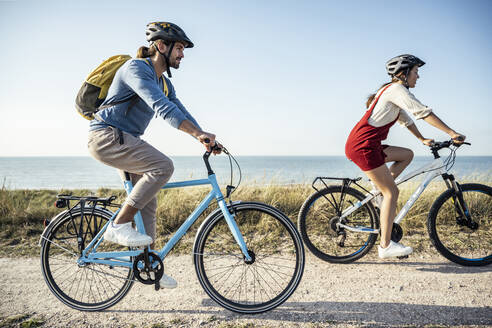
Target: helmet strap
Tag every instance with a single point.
(404, 79)
(171, 46)
(166, 57)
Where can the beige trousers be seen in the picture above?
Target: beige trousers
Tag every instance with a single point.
(149, 169)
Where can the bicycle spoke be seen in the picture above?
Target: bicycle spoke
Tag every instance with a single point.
(219, 254)
(52, 242)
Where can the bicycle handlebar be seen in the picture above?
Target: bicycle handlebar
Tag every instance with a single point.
(436, 146)
(446, 144)
(207, 155)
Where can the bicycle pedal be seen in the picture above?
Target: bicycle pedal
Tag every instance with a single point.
(402, 257)
(157, 286)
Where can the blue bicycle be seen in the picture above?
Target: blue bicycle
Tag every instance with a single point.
(248, 256)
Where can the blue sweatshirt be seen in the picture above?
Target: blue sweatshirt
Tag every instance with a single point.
(137, 76)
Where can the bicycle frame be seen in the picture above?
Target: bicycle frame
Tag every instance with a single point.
(109, 258)
(432, 170)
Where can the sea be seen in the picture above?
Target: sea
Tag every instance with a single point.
(86, 173)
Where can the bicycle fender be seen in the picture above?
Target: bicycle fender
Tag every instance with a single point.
(50, 225)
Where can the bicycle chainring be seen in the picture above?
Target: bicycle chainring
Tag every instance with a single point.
(148, 272)
(396, 233)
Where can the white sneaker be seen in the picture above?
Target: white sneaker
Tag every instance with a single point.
(125, 235)
(167, 282)
(394, 249)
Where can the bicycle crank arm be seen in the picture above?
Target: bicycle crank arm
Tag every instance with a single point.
(358, 229)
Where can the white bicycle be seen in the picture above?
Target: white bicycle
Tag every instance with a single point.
(339, 224)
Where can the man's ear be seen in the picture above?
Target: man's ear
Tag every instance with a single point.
(161, 46)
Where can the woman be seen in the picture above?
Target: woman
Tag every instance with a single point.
(364, 147)
(139, 92)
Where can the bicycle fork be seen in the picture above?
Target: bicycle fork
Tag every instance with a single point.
(464, 216)
(231, 222)
(236, 233)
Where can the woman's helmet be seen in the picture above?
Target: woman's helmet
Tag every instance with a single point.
(168, 32)
(399, 63)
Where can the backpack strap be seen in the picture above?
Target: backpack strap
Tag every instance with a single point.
(164, 84)
(135, 97)
(133, 100)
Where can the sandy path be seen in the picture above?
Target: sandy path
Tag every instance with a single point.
(417, 291)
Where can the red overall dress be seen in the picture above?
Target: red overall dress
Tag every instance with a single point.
(363, 145)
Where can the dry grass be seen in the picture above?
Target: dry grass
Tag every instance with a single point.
(22, 212)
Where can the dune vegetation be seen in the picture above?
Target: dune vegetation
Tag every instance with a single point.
(22, 212)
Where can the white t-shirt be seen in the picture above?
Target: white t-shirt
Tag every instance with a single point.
(393, 103)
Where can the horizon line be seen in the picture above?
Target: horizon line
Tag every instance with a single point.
(88, 156)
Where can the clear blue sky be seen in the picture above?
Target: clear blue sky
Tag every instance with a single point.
(268, 77)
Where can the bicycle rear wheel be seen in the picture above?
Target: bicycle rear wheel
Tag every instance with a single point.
(317, 224)
(269, 279)
(457, 239)
(87, 287)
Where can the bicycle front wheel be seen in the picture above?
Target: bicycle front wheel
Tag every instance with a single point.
(249, 286)
(458, 239)
(85, 287)
(317, 223)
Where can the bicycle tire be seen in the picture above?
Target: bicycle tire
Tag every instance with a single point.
(459, 243)
(93, 287)
(317, 219)
(255, 287)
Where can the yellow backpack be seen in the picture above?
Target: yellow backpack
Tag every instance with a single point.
(95, 87)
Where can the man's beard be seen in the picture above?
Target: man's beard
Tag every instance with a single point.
(174, 64)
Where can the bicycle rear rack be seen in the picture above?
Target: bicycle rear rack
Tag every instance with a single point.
(63, 200)
(345, 182)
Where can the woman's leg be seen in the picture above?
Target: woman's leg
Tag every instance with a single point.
(385, 182)
(401, 158)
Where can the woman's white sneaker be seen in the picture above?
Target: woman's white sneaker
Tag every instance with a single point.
(393, 250)
(167, 282)
(125, 235)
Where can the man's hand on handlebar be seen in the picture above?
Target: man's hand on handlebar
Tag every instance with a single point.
(208, 140)
(217, 148)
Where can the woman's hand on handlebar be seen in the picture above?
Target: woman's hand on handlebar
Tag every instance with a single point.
(428, 142)
(458, 138)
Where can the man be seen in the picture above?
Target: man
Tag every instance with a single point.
(138, 93)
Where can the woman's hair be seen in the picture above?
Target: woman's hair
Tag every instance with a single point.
(145, 52)
(395, 78)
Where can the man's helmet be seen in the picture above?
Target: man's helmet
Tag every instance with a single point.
(399, 63)
(168, 32)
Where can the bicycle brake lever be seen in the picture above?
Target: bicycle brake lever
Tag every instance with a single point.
(229, 189)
